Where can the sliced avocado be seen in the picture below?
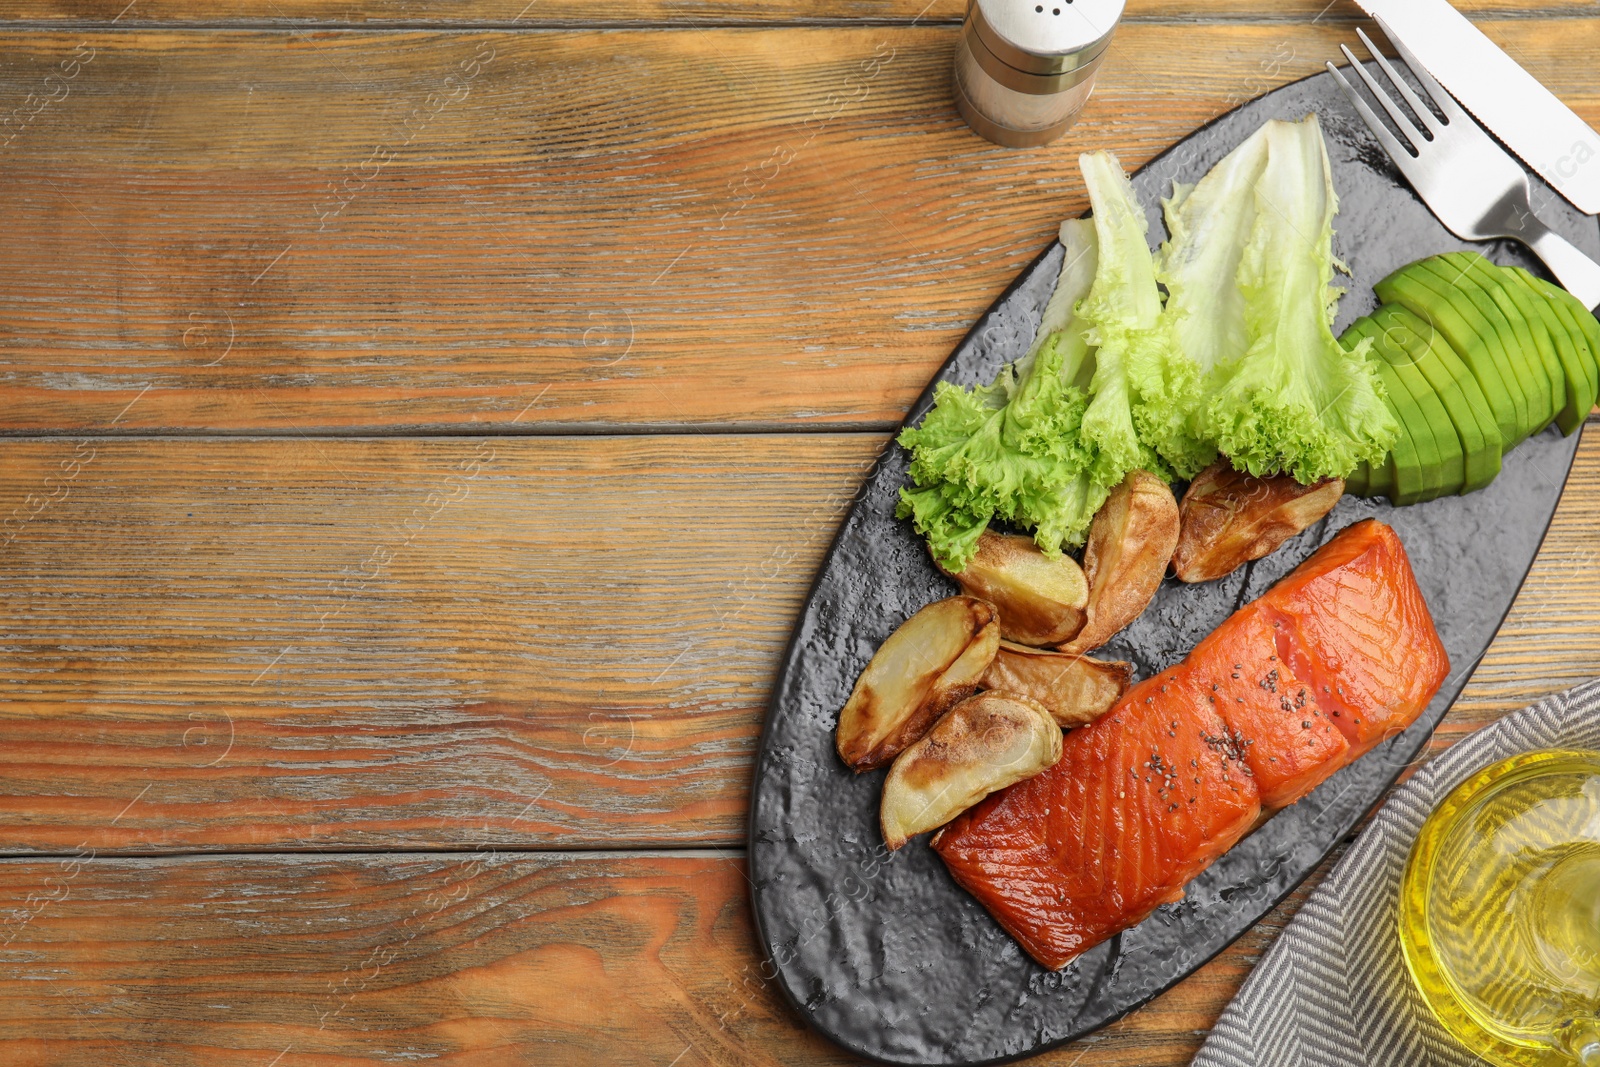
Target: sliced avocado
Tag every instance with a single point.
(1571, 346)
(1457, 389)
(1370, 481)
(1526, 363)
(1381, 482)
(1382, 479)
(1525, 320)
(1591, 327)
(1356, 484)
(1386, 343)
(1362, 477)
(1458, 320)
(1583, 334)
(1417, 474)
(1581, 324)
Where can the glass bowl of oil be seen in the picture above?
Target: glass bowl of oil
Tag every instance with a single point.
(1500, 911)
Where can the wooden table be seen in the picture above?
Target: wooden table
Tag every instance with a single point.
(425, 420)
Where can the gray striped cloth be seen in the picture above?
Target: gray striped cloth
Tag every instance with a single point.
(1334, 991)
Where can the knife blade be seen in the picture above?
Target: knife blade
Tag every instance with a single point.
(1505, 98)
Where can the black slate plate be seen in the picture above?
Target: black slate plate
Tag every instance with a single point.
(885, 954)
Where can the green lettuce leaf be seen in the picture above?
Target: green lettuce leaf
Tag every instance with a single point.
(1145, 390)
(1295, 400)
(1011, 450)
(1209, 225)
(1241, 357)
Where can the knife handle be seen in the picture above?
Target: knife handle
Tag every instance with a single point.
(1577, 273)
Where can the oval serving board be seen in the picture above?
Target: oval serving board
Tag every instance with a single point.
(883, 953)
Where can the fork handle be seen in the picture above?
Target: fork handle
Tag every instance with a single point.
(1577, 273)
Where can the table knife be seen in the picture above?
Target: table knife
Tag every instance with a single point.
(1509, 101)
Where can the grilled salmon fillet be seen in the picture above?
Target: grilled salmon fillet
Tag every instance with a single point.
(1140, 802)
(1285, 738)
(1354, 624)
(1335, 657)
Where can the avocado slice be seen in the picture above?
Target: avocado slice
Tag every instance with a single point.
(1369, 481)
(1581, 325)
(1591, 327)
(1451, 473)
(1571, 346)
(1356, 484)
(1457, 390)
(1583, 318)
(1453, 315)
(1381, 480)
(1526, 363)
(1578, 330)
(1418, 470)
(1519, 311)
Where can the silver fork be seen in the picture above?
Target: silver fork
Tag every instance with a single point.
(1476, 189)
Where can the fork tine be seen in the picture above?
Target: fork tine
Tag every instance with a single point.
(1421, 110)
(1391, 144)
(1447, 103)
(1401, 119)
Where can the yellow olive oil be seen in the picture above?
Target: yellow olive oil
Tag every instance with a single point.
(1500, 911)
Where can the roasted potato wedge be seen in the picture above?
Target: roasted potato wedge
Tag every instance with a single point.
(1075, 689)
(931, 663)
(1041, 600)
(1230, 517)
(1130, 544)
(985, 743)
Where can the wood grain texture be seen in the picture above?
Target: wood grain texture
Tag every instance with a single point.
(670, 12)
(753, 227)
(398, 643)
(283, 644)
(300, 643)
(486, 959)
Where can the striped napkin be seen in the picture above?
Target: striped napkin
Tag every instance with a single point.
(1334, 991)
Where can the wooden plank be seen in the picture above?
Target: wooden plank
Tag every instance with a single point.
(476, 958)
(283, 644)
(304, 232)
(297, 643)
(545, 12)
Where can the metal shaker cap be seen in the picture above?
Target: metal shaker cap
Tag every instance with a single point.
(1045, 37)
